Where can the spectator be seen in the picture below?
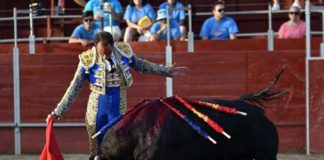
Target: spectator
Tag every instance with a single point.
(219, 27)
(294, 28)
(177, 15)
(139, 16)
(85, 33)
(116, 10)
(276, 5)
(81, 3)
(159, 28)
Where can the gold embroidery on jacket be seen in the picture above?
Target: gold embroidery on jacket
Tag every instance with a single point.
(88, 59)
(118, 52)
(92, 109)
(113, 80)
(123, 103)
(90, 119)
(71, 93)
(124, 48)
(145, 66)
(100, 84)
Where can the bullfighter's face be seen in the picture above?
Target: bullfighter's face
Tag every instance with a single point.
(104, 49)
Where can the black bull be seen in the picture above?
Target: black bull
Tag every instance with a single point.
(152, 131)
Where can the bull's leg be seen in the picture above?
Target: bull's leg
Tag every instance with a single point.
(146, 147)
(269, 148)
(142, 149)
(265, 157)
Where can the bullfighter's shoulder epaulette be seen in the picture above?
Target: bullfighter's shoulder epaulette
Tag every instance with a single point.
(88, 58)
(124, 49)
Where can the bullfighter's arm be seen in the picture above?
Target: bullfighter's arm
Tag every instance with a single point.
(70, 94)
(140, 64)
(145, 66)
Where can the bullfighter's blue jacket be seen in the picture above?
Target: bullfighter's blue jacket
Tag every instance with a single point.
(108, 81)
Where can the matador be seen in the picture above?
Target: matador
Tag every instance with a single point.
(107, 69)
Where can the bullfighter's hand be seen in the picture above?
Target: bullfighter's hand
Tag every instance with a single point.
(47, 118)
(178, 71)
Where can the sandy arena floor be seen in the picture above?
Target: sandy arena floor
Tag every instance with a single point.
(85, 157)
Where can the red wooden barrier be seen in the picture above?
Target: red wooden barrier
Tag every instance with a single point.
(215, 72)
(316, 106)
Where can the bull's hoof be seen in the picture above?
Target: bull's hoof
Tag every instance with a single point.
(92, 157)
(97, 158)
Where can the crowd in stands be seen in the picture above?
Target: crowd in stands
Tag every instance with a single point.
(219, 27)
(294, 27)
(144, 24)
(296, 3)
(85, 32)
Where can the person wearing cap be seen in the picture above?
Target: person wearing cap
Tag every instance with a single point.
(219, 27)
(295, 27)
(159, 28)
(85, 32)
(176, 15)
(139, 16)
(112, 7)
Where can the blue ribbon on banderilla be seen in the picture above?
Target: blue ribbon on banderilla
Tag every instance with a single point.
(107, 126)
(194, 126)
(110, 124)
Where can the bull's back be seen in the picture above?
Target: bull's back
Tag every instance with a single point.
(155, 132)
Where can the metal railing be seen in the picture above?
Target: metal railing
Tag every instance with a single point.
(270, 33)
(16, 79)
(102, 18)
(168, 48)
(253, 34)
(31, 35)
(37, 124)
(31, 18)
(308, 58)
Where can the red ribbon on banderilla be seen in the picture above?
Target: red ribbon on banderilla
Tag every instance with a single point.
(204, 117)
(194, 126)
(217, 107)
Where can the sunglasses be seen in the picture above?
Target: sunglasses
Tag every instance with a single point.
(221, 10)
(88, 20)
(295, 13)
